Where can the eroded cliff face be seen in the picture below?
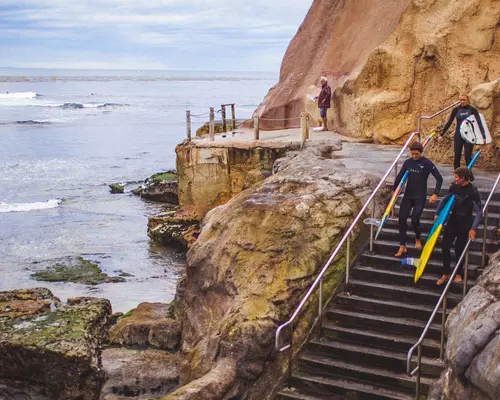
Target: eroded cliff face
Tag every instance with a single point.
(390, 62)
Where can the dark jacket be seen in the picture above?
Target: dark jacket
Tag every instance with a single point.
(418, 172)
(467, 201)
(461, 113)
(325, 96)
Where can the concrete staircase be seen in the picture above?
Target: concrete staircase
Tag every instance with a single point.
(367, 331)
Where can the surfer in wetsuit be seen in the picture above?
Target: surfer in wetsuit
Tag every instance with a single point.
(419, 168)
(460, 224)
(461, 112)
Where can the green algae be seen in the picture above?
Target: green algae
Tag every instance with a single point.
(117, 188)
(163, 176)
(77, 270)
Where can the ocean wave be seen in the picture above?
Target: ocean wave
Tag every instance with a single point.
(34, 122)
(92, 105)
(20, 207)
(18, 95)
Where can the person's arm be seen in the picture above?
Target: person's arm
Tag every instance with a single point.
(479, 214)
(439, 178)
(450, 121)
(402, 171)
(478, 119)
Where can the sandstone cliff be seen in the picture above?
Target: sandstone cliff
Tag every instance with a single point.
(390, 62)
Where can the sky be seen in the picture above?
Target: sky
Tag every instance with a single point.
(236, 35)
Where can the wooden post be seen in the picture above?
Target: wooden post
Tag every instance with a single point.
(233, 115)
(303, 127)
(256, 128)
(211, 125)
(188, 125)
(224, 128)
(308, 122)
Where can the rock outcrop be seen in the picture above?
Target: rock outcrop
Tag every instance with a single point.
(210, 174)
(389, 62)
(174, 228)
(253, 260)
(150, 324)
(473, 347)
(48, 350)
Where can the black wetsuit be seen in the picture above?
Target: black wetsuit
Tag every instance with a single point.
(461, 113)
(415, 193)
(460, 221)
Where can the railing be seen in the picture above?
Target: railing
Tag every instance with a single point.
(432, 116)
(442, 299)
(319, 279)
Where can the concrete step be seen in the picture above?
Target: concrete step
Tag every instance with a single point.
(390, 262)
(388, 307)
(430, 211)
(391, 233)
(380, 339)
(322, 365)
(426, 225)
(404, 277)
(396, 325)
(370, 356)
(391, 247)
(404, 293)
(293, 393)
(347, 388)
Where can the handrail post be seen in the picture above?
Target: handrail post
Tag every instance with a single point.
(466, 271)
(418, 128)
(188, 125)
(485, 231)
(290, 355)
(347, 260)
(256, 131)
(233, 117)
(419, 366)
(223, 113)
(320, 307)
(371, 228)
(211, 124)
(443, 322)
(303, 127)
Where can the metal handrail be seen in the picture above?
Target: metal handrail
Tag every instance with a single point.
(345, 238)
(442, 300)
(432, 116)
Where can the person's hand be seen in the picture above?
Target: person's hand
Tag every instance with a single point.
(435, 217)
(433, 198)
(472, 234)
(440, 139)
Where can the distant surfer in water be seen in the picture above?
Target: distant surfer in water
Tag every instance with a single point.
(461, 112)
(324, 99)
(460, 224)
(419, 168)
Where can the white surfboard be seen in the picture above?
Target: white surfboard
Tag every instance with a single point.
(470, 131)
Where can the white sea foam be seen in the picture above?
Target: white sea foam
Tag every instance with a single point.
(18, 95)
(20, 207)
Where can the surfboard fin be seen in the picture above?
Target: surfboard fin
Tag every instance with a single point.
(410, 262)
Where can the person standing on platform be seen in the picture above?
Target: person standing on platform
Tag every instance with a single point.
(324, 100)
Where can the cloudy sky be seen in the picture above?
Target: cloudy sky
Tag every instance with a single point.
(236, 35)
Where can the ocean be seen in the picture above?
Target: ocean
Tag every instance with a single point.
(65, 135)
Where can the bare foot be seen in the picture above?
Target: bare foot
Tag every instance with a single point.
(418, 244)
(458, 278)
(442, 280)
(402, 250)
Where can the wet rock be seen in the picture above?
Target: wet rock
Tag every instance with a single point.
(214, 385)
(161, 187)
(473, 347)
(174, 229)
(25, 303)
(56, 351)
(117, 188)
(138, 374)
(149, 324)
(76, 270)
